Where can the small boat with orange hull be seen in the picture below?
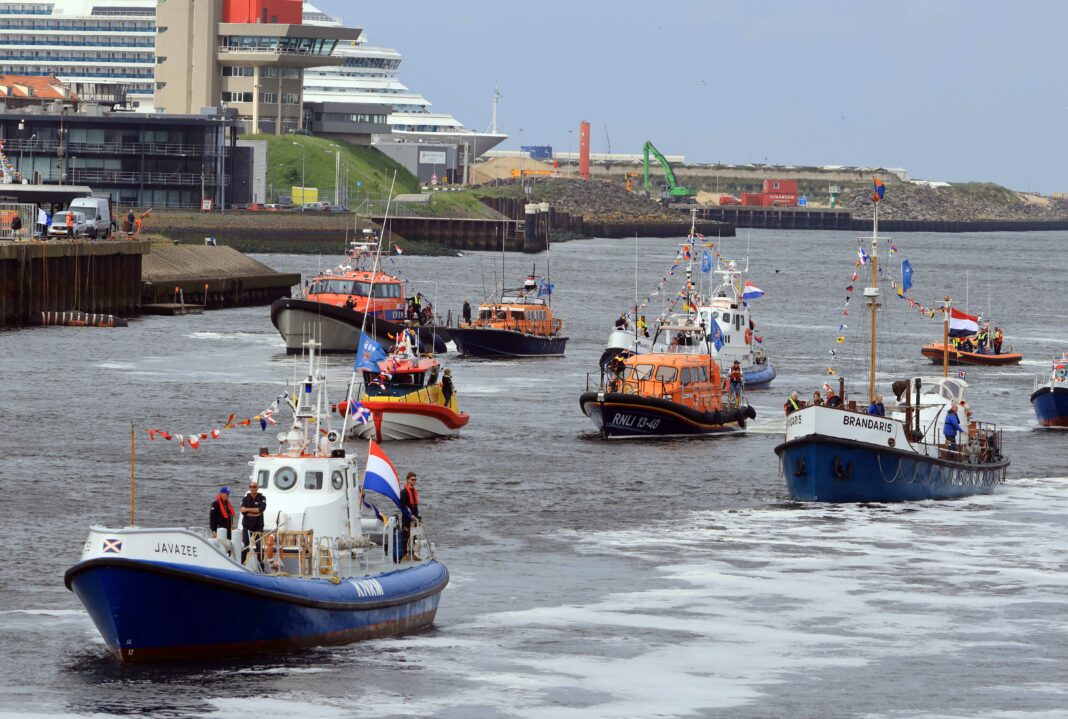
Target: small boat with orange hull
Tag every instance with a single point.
(938, 353)
(662, 394)
(405, 397)
(520, 325)
(1050, 398)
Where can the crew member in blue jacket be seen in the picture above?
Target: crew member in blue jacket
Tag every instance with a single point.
(876, 408)
(952, 427)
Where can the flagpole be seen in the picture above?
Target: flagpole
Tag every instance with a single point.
(945, 339)
(874, 295)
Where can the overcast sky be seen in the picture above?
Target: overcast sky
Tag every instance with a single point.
(949, 90)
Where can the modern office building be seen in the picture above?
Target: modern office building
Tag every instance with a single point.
(249, 55)
(142, 160)
(103, 50)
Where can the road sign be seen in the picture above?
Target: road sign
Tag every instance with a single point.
(802, 201)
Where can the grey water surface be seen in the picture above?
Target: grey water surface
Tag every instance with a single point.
(592, 579)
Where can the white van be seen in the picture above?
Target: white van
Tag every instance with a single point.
(58, 228)
(97, 215)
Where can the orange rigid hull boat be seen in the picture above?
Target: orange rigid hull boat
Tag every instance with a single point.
(936, 353)
(520, 325)
(407, 399)
(663, 395)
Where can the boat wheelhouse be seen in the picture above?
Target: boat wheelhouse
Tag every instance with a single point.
(521, 324)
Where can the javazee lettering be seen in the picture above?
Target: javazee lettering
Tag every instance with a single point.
(184, 550)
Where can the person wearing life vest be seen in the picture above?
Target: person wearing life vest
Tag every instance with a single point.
(980, 340)
(409, 502)
(998, 337)
(221, 515)
(792, 404)
(643, 327)
(737, 379)
(446, 387)
(952, 427)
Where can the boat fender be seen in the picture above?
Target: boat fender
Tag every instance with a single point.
(748, 336)
(741, 418)
(800, 468)
(750, 412)
(841, 471)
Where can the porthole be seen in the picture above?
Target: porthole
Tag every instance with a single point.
(337, 479)
(285, 478)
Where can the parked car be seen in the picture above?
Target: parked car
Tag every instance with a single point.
(337, 208)
(58, 228)
(255, 207)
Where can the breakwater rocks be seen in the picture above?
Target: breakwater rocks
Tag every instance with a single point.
(975, 204)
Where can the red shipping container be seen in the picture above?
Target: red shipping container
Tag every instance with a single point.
(781, 187)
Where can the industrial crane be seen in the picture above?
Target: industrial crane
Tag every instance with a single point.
(674, 191)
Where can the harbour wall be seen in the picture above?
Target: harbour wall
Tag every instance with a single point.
(97, 277)
(802, 218)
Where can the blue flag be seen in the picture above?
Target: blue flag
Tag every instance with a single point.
(716, 335)
(368, 354)
(545, 288)
(906, 276)
(706, 261)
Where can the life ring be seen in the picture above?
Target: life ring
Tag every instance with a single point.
(629, 389)
(748, 336)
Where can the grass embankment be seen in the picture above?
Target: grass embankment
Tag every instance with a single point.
(461, 203)
(371, 168)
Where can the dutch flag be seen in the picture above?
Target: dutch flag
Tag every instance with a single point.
(751, 291)
(380, 476)
(962, 325)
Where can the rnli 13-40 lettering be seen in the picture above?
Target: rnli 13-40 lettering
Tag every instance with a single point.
(185, 550)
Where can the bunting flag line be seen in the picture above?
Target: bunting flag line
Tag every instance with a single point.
(193, 439)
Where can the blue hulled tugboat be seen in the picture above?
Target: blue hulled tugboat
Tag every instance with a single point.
(317, 574)
(1050, 398)
(842, 454)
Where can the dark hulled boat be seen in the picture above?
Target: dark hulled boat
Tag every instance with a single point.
(1050, 398)
(520, 325)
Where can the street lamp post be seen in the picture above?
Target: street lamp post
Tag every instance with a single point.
(301, 175)
(73, 168)
(22, 128)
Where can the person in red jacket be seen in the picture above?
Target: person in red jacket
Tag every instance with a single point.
(222, 514)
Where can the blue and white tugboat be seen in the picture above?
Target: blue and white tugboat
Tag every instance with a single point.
(1050, 398)
(845, 454)
(323, 574)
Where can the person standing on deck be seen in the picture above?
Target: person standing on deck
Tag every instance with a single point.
(467, 312)
(221, 515)
(981, 339)
(952, 427)
(409, 500)
(253, 506)
(792, 404)
(876, 408)
(446, 387)
(737, 380)
(998, 337)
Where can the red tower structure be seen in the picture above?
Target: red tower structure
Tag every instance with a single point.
(285, 12)
(584, 150)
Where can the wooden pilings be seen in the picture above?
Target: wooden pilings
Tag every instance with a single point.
(90, 277)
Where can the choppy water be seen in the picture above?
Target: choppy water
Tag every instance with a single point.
(588, 579)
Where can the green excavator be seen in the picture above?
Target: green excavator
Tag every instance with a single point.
(673, 191)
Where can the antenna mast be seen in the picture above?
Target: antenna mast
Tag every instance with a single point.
(493, 113)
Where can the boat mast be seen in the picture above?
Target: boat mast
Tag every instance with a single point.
(872, 293)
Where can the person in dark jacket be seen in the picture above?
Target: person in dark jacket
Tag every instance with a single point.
(253, 507)
(833, 400)
(221, 515)
(409, 500)
(792, 404)
(467, 312)
(876, 408)
(446, 387)
(952, 427)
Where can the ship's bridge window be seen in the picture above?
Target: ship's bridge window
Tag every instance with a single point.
(313, 480)
(704, 373)
(667, 373)
(262, 476)
(517, 314)
(727, 317)
(388, 290)
(409, 378)
(641, 371)
(685, 379)
(331, 287)
(285, 478)
(484, 314)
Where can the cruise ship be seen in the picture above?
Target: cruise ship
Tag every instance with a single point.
(370, 76)
(103, 50)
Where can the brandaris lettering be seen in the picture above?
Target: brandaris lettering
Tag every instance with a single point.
(852, 420)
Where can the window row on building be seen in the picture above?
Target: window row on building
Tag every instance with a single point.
(7, 53)
(288, 98)
(61, 40)
(286, 73)
(59, 24)
(72, 74)
(283, 45)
